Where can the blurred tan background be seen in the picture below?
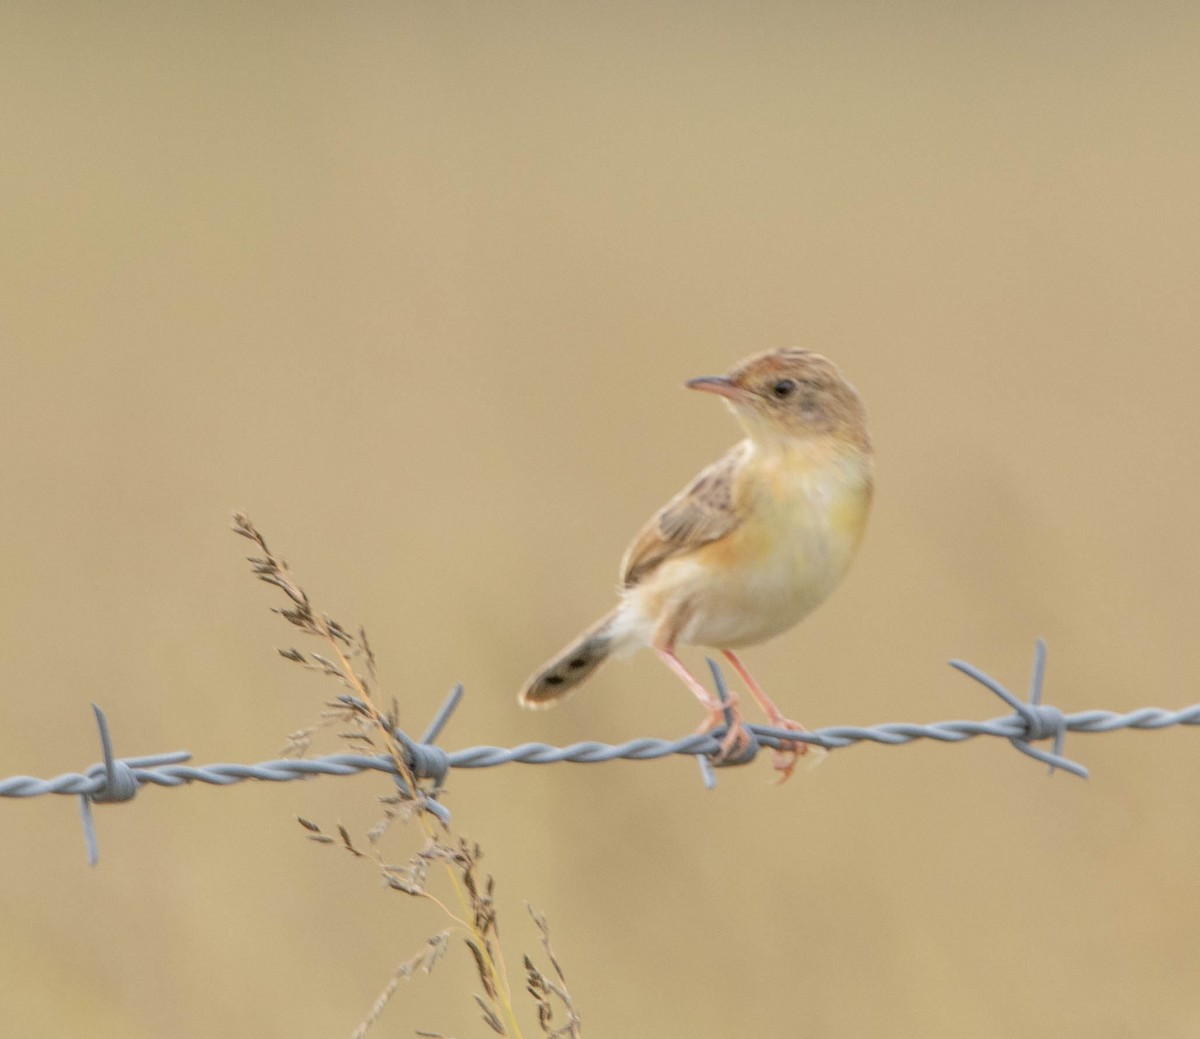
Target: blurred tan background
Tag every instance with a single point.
(417, 285)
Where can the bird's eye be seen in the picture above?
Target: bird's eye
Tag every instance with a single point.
(783, 389)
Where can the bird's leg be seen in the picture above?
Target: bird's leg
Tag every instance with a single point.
(736, 737)
(785, 760)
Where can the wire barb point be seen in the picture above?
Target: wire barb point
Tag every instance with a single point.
(1038, 721)
(119, 784)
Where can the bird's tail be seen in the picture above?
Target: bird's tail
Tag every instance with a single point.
(570, 667)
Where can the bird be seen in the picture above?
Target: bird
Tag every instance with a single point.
(750, 547)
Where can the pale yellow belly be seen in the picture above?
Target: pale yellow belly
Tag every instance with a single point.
(760, 580)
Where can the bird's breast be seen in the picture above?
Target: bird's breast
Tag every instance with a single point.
(802, 525)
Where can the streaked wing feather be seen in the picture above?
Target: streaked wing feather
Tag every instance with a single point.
(699, 514)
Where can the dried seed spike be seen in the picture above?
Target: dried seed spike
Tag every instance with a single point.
(396, 884)
(485, 976)
(347, 843)
(572, 1026)
(308, 824)
(243, 526)
(336, 630)
(380, 828)
(438, 944)
(328, 666)
(490, 1018)
(404, 878)
(298, 745)
(284, 585)
(368, 652)
(300, 618)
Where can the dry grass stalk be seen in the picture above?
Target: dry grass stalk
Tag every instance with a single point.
(543, 988)
(349, 659)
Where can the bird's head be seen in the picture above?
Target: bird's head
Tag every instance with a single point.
(785, 396)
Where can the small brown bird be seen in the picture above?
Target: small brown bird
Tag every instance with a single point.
(751, 546)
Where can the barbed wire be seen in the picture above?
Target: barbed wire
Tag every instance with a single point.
(119, 779)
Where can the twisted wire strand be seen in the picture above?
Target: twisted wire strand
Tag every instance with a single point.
(161, 770)
(119, 779)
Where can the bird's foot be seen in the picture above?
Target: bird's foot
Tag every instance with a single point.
(786, 757)
(737, 738)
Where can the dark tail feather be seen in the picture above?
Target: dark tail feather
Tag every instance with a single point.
(570, 667)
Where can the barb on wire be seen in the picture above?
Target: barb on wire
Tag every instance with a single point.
(119, 779)
(1041, 720)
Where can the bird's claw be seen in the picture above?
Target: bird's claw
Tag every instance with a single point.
(735, 741)
(786, 757)
(737, 737)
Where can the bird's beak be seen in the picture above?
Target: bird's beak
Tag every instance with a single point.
(721, 385)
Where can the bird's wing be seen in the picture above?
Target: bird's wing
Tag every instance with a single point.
(701, 513)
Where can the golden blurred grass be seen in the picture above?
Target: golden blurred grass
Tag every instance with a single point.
(417, 286)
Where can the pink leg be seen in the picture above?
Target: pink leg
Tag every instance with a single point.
(736, 737)
(785, 760)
